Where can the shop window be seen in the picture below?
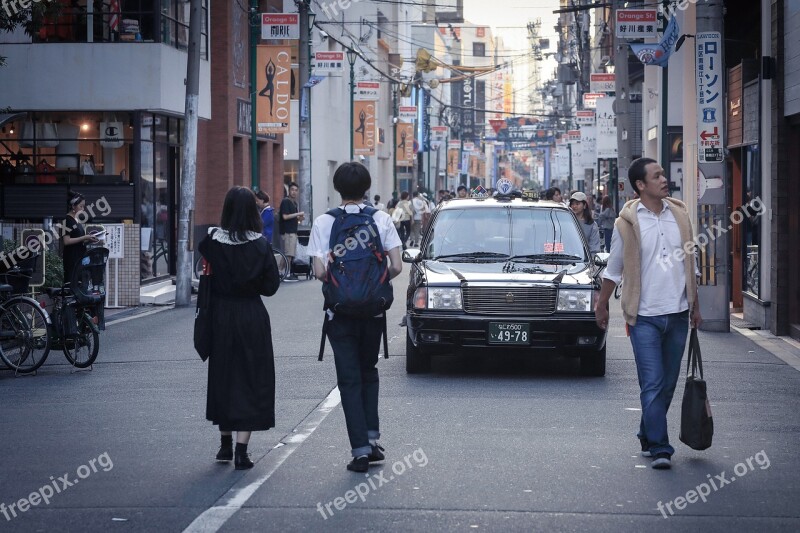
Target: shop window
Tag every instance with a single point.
(479, 49)
(67, 148)
(751, 179)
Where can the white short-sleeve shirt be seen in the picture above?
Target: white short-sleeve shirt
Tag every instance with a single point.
(319, 243)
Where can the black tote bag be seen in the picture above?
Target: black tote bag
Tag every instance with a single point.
(697, 424)
(202, 317)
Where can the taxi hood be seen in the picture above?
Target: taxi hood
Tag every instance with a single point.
(453, 273)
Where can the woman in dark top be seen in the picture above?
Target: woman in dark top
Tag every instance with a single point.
(241, 370)
(75, 237)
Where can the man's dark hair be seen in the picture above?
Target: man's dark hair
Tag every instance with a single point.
(293, 184)
(404, 195)
(638, 171)
(377, 197)
(240, 213)
(264, 197)
(461, 188)
(415, 194)
(352, 180)
(549, 193)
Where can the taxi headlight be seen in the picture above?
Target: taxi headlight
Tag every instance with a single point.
(574, 300)
(446, 298)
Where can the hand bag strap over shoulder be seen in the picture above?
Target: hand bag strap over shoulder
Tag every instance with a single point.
(695, 360)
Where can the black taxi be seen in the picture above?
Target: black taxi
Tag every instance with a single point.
(509, 272)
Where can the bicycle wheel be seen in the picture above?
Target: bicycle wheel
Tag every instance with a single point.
(81, 349)
(283, 264)
(24, 335)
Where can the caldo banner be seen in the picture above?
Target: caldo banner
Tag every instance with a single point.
(405, 144)
(274, 86)
(365, 131)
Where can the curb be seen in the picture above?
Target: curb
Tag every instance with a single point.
(784, 348)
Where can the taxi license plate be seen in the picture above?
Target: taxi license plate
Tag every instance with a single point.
(509, 333)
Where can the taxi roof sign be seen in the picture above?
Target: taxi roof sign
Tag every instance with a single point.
(479, 192)
(504, 186)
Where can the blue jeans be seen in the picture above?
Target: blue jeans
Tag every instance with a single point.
(658, 344)
(356, 343)
(607, 234)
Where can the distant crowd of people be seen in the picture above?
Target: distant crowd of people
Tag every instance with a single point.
(597, 216)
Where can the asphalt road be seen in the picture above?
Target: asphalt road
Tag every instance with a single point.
(494, 444)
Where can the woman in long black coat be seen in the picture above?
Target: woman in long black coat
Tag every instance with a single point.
(241, 370)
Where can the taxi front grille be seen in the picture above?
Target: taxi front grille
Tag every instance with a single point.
(517, 301)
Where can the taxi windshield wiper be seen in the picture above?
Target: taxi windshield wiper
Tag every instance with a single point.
(473, 255)
(548, 258)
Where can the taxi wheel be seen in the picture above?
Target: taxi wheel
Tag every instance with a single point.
(594, 364)
(417, 362)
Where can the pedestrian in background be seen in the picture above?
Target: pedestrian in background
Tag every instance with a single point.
(658, 296)
(289, 218)
(267, 214)
(380, 206)
(356, 341)
(606, 221)
(419, 206)
(554, 194)
(461, 191)
(404, 217)
(577, 202)
(241, 369)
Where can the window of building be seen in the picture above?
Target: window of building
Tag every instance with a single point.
(479, 49)
(751, 179)
(164, 21)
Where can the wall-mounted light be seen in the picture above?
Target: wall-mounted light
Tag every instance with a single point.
(85, 126)
(11, 131)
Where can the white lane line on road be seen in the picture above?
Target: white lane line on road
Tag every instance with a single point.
(140, 315)
(229, 503)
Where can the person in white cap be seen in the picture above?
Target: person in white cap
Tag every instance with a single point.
(579, 206)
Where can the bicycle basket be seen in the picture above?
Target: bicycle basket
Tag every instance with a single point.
(19, 275)
(88, 279)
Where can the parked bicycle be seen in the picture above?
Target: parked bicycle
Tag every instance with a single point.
(74, 330)
(24, 331)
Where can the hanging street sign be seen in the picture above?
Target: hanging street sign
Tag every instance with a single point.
(327, 63)
(590, 99)
(280, 25)
(709, 97)
(602, 83)
(637, 23)
(584, 117)
(367, 91)
(407, 113)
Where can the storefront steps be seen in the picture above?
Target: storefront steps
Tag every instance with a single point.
(162, 293)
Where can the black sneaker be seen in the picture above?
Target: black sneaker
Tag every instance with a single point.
(359, 464)
(662, 461)
(376, 453)
(645, 448)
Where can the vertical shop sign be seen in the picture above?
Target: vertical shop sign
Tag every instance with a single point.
(274, 86)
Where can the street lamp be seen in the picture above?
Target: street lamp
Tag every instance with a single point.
(352, 55)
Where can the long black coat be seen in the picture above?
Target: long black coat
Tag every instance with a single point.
(241, 370)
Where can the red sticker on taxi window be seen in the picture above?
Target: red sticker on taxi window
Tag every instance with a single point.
(550, 247)
(559, 247)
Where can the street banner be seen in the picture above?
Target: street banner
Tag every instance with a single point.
(405, 144)
(327, 63)
(590, 99)
(280, 25)
(367, 91)
(584, 117)
(602, 83)
(452, 161)
(588, 147)
(438, 136)
(365, 130)
(709, 97)
(407, 113)
(606, 129)
(637, 23)
(658, 54)
(274, 86)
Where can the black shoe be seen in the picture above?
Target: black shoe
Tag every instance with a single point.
(242, 461)
(225, 453)
(359, 464)
(645, 448)
(375, 454)
(662, 461)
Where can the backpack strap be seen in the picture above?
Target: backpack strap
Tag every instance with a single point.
(324, 334)
(385, 338)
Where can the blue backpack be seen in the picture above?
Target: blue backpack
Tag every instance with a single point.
(357, 281)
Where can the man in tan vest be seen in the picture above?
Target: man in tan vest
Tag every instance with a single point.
(653, 244)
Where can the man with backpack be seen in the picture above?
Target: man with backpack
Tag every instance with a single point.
(356, 251)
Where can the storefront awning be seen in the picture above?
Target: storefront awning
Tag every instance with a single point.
(10, 117)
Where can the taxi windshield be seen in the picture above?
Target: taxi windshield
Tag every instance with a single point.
(497, 234)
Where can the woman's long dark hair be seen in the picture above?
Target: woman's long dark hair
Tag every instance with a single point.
(587, 213)
(240, 213)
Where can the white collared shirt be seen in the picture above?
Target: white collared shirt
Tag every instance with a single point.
(319, 244)
(663, 289)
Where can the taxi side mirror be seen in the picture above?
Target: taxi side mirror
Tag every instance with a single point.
(601, 259)
(412, 255)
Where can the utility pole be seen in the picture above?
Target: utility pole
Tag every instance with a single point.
(622, 110)
(304, 172)
(395, 87)
(255, 21)
(183, 289)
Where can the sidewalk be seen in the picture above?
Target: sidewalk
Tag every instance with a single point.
(784, 348)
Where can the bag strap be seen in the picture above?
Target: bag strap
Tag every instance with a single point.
(695, 359)
(324, 334)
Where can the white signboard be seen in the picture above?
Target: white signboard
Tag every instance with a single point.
(111, 134)
(328, 63)
(407, 113)
(606, 129)
(115, 240)
(710, 97)
(602, 83)
(637, 23)
(590, 99)
(368, 91)
(589, 149)
(280, 26)
(584, 117)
